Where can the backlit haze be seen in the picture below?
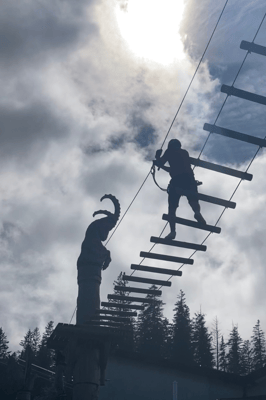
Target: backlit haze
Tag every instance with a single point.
(88, 92)
(151, 29)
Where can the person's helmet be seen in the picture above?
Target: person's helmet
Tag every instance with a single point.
(174, 144)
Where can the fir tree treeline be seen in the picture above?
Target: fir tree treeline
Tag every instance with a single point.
(42, 355)
(187, 339)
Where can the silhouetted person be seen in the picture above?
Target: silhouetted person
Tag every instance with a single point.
(182, 178)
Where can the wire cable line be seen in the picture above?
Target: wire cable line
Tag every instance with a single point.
(237, 74)
(171, 125)
(201, 151)
(203, 147)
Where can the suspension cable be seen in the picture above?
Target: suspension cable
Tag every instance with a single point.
(250, 163)
(171, 125)
(237, 74)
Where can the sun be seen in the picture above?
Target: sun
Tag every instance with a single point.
(151, 29)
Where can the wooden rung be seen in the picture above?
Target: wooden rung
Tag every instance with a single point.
(163, 257)
(110, 318)
(219, 168)
(129, 298)
(187, 222)
(176, 243)
(253, 48)
(97, 323)
(243, 94)
(138, 290)
(156, 270)
(208, 199)
(235, 135)
(121, 313)
(116, 305)
(146, 280)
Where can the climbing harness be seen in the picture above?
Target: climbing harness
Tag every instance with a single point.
(153, 172)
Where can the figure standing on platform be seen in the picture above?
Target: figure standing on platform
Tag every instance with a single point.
(182, 179)
(93, 258)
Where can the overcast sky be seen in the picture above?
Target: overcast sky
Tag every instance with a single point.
(88, 92)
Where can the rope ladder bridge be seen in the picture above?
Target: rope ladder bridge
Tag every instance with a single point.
(108, 313)
(113, 320)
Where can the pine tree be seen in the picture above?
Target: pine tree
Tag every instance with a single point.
(168, 334)
(258, 346)
(31, 339)
(182, 346)
(45, 355)
(121, 283)
(3, 345)
(234, 356)
(202, 342)
(36, 341)
(27, 341)
(247, 362)
(216, 337)
(222, 356)
(128, 341)
(152, 328)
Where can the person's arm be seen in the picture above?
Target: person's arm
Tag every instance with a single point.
(167, 169)
(160, 161)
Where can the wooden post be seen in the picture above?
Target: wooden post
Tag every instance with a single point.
(87, 353)
(25, 392)
(86, 375)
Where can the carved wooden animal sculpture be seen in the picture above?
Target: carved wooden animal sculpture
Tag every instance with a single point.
(93, 258)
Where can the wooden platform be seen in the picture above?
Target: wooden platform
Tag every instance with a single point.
(105, 324)
(138, 290)
(110, 318)
(64, 332)
(207, 198)
(193, 224)
(129, 298)
(156, 270)
(164, 257)
(235, 135)
(139, 279)
(117, 305)
(243, 94)
(176, 243)
(253, 48)
(117, 312)
(220, 168)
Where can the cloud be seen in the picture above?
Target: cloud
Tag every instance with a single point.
(35, 31)
(81, 117)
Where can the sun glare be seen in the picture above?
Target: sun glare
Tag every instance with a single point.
(150, 28)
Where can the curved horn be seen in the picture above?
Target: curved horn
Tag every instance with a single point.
(116, 204)
(116, 214)
(108, 213)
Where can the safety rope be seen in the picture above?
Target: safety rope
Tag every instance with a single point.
(153, 171)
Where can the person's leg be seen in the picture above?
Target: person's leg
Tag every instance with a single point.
(194, 204)
(173, 203)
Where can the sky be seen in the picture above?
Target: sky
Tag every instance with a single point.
(89, 90)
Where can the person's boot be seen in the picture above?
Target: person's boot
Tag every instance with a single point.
(170, 235)
(199, 218)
